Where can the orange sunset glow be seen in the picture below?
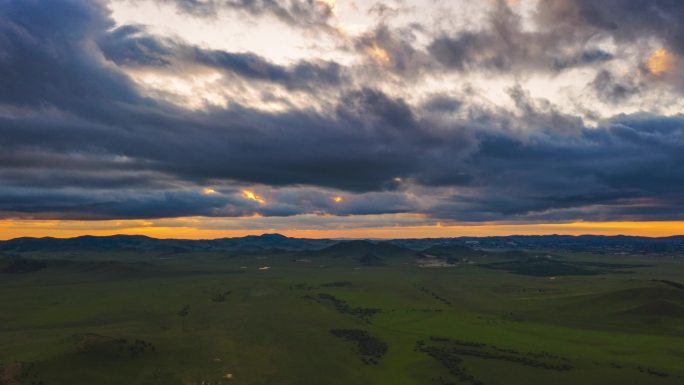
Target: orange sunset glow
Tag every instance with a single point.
(187, 228)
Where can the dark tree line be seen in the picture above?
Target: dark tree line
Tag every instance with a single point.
(343, 307)
(369, 347)
(434, 295)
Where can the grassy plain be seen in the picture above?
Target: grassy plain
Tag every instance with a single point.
(215, 318)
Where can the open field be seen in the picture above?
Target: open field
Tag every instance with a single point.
(221, 318)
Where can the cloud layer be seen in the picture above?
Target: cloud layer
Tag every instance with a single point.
(104, 120)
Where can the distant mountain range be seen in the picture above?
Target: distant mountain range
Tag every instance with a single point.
(144, 243)
(590, 243)
(436, 246)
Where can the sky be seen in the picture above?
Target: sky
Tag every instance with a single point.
(341, 118)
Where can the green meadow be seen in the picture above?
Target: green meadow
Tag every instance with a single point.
(222, 318)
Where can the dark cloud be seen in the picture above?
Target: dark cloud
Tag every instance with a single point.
(46, 60)
(300, 13)
(571, 34)
(543, 115)
(628, 21)
(120, 204)
(378, 111)
(653, 26)
(503, 44)
(632, 164)
(394, 49)
(614, 89)
(442, 103)
(300, 75)
(132, 46)
(80, 140)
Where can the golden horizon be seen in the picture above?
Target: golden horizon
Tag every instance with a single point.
(191, 228)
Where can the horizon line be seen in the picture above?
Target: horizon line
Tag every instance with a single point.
(343, 238)
(202, 228)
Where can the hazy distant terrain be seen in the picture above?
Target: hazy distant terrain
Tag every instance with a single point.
(593, 243)
(278, 310)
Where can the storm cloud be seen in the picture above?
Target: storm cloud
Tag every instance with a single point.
(84, 136)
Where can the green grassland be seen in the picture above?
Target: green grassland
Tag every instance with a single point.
(216, 318)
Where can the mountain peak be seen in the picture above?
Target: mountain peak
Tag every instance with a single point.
(272, 236)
